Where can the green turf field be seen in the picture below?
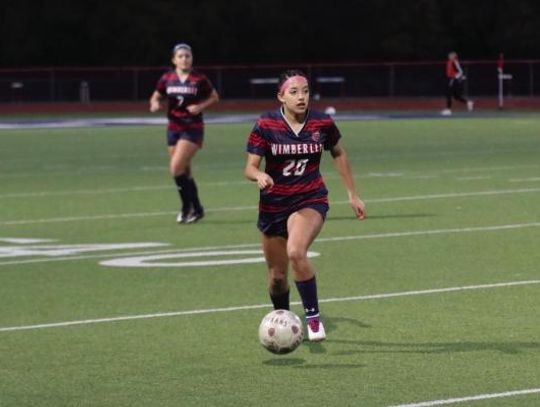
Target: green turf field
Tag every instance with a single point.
(451, 244)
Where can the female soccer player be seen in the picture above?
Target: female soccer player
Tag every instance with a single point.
(454, 88)
(293, 198)
(188, 93)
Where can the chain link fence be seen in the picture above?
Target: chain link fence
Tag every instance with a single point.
(361, 80)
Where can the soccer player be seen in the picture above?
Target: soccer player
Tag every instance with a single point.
(454, 88)
(188, 94)
(293, 198)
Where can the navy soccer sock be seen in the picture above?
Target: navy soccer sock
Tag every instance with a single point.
(280, 301)
(184, 190)
(308, 293)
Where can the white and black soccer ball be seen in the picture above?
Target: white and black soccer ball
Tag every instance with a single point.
(281, 331)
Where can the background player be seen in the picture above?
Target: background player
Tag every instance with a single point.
(188, 93)
(293, 198)
(454, 88)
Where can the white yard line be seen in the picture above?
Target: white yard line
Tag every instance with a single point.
(470, 398)
(423, 176)
(475, 178)
(530, 179)
(253, 207)
(431, 232)
(407, 174)
(86, 218)
(130, 254)
(25, 241)
(494, 168)
(258, 306)
(451, 195)
(83, 192)
(171, 187)
(492, 228)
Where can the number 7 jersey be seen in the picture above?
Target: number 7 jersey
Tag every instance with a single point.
(292, 159)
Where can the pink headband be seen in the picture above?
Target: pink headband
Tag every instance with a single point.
(287, 83)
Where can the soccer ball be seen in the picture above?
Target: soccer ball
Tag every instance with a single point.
(331, 110)
(280, 331)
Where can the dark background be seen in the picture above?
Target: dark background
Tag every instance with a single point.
(122, 32)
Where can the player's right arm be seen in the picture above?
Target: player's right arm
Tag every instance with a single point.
(155, 101)
(253, 173)
(257, 146)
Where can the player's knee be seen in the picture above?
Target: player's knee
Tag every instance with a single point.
(177, 170)
(296, 254)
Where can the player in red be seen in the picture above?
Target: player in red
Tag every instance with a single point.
(293, 198)
(454, 89)
(188, 94)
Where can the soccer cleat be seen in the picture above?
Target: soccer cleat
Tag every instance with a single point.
(184, 215)
(315, 329)
(180, 217)
(446, 112)
(470, 105)
(194, 216)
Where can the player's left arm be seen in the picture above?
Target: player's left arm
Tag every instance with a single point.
(341, 161)
(460, 75)
(199, 107)
(213, 97)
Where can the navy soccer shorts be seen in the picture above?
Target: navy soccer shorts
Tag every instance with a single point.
(194, 135)
(275, 224)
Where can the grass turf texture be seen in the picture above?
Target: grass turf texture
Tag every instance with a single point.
(379, 352)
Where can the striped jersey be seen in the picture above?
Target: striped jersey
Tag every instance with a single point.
(180, 94)
(292, 160)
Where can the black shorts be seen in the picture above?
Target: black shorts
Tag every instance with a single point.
(194, 135)
(275, 224)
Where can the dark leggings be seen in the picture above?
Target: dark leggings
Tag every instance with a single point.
(454, 90)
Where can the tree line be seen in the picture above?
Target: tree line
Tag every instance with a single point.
(135, 32)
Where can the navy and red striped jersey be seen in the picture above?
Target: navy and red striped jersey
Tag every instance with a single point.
(292, 160)
(180, 94)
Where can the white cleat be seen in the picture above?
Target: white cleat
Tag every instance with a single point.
(315, 330)
(446, 112)
(470, 105)
(193, 216)
(180, 217)
(183, 217)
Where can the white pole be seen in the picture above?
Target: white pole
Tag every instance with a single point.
(502, 77)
